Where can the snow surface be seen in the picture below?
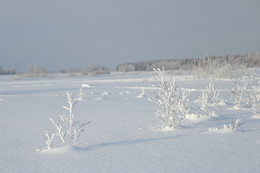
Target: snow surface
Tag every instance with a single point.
(124, 134)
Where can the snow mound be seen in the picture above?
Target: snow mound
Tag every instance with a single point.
(166, 129)
(256, 116)
(85, 85)
(196, 118)
(227, 128)
(57, 150)
(220, 131)
(235, 108)
(163, 129)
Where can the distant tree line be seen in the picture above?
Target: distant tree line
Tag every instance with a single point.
(248, 60)
(90, 70)
(36, 71)
(7, 72)
(207, 65)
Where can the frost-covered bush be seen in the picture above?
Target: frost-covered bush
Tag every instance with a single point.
(211, 94)
(103, 95)
(234, 125)
(254, 97)
(68, 129)
(49, 139)
(142, 94)
(227, 128)
(81, 93)
(219, 67)
(210, 99)
(210, 66)
(173, 102)
(207, 109)
(238, 96)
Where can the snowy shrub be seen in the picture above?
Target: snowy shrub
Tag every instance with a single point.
(254, 98)
(212, 93)
(210, 98)
(219, 67)
(49, 139)
(227, 128)
(81, 93)
(103, 95)
(234, 125)
(184, 102)
(210, 66)
(68, 129)
(207, 110)
(173, 102)
(238, 94)
(142, 94)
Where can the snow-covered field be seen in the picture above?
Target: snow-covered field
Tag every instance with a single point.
(124, 134)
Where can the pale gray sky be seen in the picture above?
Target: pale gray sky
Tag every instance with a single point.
(78, 33)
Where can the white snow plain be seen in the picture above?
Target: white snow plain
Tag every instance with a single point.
(124, 134)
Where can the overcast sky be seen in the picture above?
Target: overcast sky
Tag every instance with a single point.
(79, 33)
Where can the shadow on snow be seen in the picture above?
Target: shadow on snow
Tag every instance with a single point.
(125, 142)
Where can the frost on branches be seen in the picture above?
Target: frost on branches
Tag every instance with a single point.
(234, 125)
(68, 129)
(173, 102)
(210, 100)
(238, 94)
(254, 98)
(228, 127)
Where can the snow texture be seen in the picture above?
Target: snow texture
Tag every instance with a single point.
(124, 134)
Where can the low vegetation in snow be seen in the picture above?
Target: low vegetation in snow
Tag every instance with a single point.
(68, 128)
